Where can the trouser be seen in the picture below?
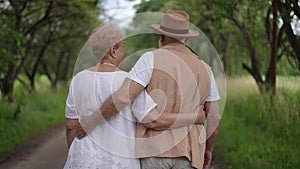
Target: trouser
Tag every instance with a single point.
(166, 163)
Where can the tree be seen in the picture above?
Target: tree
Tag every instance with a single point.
(61, 44)
(271, 73)
(31, 28)
(290, 13)
(244, 32)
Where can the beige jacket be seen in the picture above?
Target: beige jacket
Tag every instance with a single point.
(180, 83)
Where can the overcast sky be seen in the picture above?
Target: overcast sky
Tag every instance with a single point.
(117, 9)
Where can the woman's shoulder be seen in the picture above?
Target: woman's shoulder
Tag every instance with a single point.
(87, 74)
(81, 74)
(123, 72)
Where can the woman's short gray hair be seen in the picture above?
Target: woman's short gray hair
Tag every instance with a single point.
(105, 37)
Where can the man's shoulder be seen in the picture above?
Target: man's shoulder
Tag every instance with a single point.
(161, 51)
(204, 63)
(206, 66)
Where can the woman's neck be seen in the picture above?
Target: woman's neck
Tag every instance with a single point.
(107, 61)
(104, 66)
(107, 65)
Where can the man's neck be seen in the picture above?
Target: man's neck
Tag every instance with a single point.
(173, 42)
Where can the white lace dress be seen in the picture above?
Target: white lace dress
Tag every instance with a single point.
(85, 154)
(112, 144)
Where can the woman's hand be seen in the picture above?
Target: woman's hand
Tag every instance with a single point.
(80, 133)
(71, 125)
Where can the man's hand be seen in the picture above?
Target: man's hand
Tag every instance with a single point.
(207, 159)
(212, 129)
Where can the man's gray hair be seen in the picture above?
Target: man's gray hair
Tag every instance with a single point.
(105, 37)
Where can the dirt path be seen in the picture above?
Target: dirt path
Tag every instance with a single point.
(217, 163)
(48, 151)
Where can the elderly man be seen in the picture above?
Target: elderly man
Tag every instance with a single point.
(178, 81)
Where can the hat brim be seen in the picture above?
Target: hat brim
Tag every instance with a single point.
(191, 33)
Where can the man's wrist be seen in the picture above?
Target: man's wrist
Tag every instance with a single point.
(200, 119)
(209, 148)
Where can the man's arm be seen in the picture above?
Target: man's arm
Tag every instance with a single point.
(212, 129)
(144, 109)
(120, 99)
(166, 120)
(116, 102)
(142, 73)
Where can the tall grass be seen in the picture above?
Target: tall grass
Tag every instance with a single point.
(31, 114)
(260, 131)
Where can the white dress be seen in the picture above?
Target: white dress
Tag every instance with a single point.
(111, 145)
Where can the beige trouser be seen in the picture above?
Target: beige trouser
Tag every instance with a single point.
(166, 163)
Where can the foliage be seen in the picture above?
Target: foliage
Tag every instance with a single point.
(35, 113)
(42, 37)
(259, 131)
(134, 50)
(241, 33)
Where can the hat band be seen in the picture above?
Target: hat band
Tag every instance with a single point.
(185, 31)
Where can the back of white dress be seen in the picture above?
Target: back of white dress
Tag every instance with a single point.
(111, 144)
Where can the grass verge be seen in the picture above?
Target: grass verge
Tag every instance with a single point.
(260, 131)
(32, 114)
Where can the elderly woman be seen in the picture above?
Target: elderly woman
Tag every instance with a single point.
(112, 143)
(88, 89)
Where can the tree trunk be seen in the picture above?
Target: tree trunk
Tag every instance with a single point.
(285, 9)
(46, 71)
(225, 47)
(37, 63)
(296, 8)
(254, 70)
(271, 73)
(7, 87)
(57, 70)
(66, 68)
(294, 42)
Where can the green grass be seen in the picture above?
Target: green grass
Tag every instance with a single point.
(31, 114)
(260, 131)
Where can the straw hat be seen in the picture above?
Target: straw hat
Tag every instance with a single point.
(175, 24)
